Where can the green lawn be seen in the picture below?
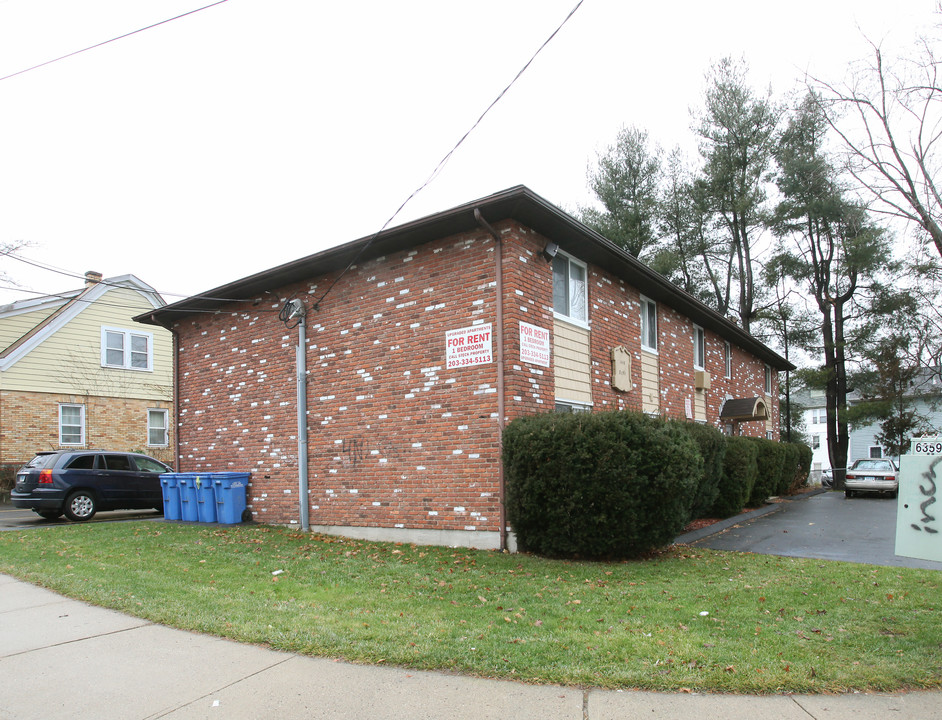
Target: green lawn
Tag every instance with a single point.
(694, 619)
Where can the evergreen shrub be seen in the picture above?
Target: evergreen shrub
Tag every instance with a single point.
(740, 469)
(771, 461)
(712, 445)
(598, 485)
(797, 466)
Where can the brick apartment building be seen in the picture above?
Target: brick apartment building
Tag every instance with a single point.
(420, 342)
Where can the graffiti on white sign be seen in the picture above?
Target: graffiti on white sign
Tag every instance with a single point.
(466, 347)
(918, 522)
(534, 345)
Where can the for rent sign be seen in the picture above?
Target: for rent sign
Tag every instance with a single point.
(534, 344)
(468, 346)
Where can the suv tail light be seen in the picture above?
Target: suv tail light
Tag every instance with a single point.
(45, 477)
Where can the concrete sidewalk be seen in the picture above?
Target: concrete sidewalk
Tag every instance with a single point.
(60, 658)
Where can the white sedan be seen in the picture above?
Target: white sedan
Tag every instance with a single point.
(878, 475)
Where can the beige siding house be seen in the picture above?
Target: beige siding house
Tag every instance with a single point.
(77, 372)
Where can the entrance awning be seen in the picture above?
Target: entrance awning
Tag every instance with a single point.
(743, 409)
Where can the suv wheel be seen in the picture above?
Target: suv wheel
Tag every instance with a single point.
(80, 506)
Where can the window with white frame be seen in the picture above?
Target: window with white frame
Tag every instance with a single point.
(127, 349)
(815, 442)
(157, 428)
(728, 360)
(71, 424)
(570, 288)
(648, 324)
(768, 380)
(699, 348)
(876, 451)
(565, 406)
(819, 416)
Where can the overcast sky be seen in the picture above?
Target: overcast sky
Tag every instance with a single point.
(256, 132)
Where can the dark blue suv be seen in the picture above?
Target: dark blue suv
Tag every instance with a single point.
(79, 483)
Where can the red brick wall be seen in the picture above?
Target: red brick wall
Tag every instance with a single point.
(395, 438)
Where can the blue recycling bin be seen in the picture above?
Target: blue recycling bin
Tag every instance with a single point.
(189, 497)
(205, 497)
(231, 489)
(169, 486)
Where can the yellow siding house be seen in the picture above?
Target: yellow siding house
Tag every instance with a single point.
(77, 372)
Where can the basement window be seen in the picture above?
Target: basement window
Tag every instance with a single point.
(71, 424)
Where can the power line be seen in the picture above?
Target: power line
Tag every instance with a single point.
(78, 276)
(434, 174)
(444, 160)
(114, 39)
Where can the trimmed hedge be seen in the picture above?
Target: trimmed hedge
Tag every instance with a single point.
(740, 468)
(797, 466)
(771, 461)
(598, 485)
(712, 445)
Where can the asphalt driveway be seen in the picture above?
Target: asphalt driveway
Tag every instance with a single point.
(12, 518)
(826, 526)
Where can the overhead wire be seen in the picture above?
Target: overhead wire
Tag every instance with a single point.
(111, 40)
(447, 157)
(79, 276)
(363, 248)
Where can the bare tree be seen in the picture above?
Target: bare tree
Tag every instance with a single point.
(889, 118)
(9, 249)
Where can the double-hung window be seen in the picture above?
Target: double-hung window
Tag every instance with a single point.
(768, 380)
(71, 424)
(127, 349)
(157, 428)
(570, 299)
(648, 324)
(699, 348)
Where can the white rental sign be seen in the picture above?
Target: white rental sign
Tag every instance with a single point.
(466, 347)
(918, 521)
(534, 345)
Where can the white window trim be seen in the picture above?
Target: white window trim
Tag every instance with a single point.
(767, 380)
(702, 332)
(644, 345)
(81, 442)
(728, 360)
(166, 427)
(569, 318)
(128, 334)
(574, 405)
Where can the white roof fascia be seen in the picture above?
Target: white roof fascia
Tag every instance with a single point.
(90, 296)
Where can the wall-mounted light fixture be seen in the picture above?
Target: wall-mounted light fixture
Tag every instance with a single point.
(549, 252)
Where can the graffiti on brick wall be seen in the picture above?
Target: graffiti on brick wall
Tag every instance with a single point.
(354, 451)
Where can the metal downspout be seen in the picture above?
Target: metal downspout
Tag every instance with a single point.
(500, 373)
(175, 390)
(303, 500)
